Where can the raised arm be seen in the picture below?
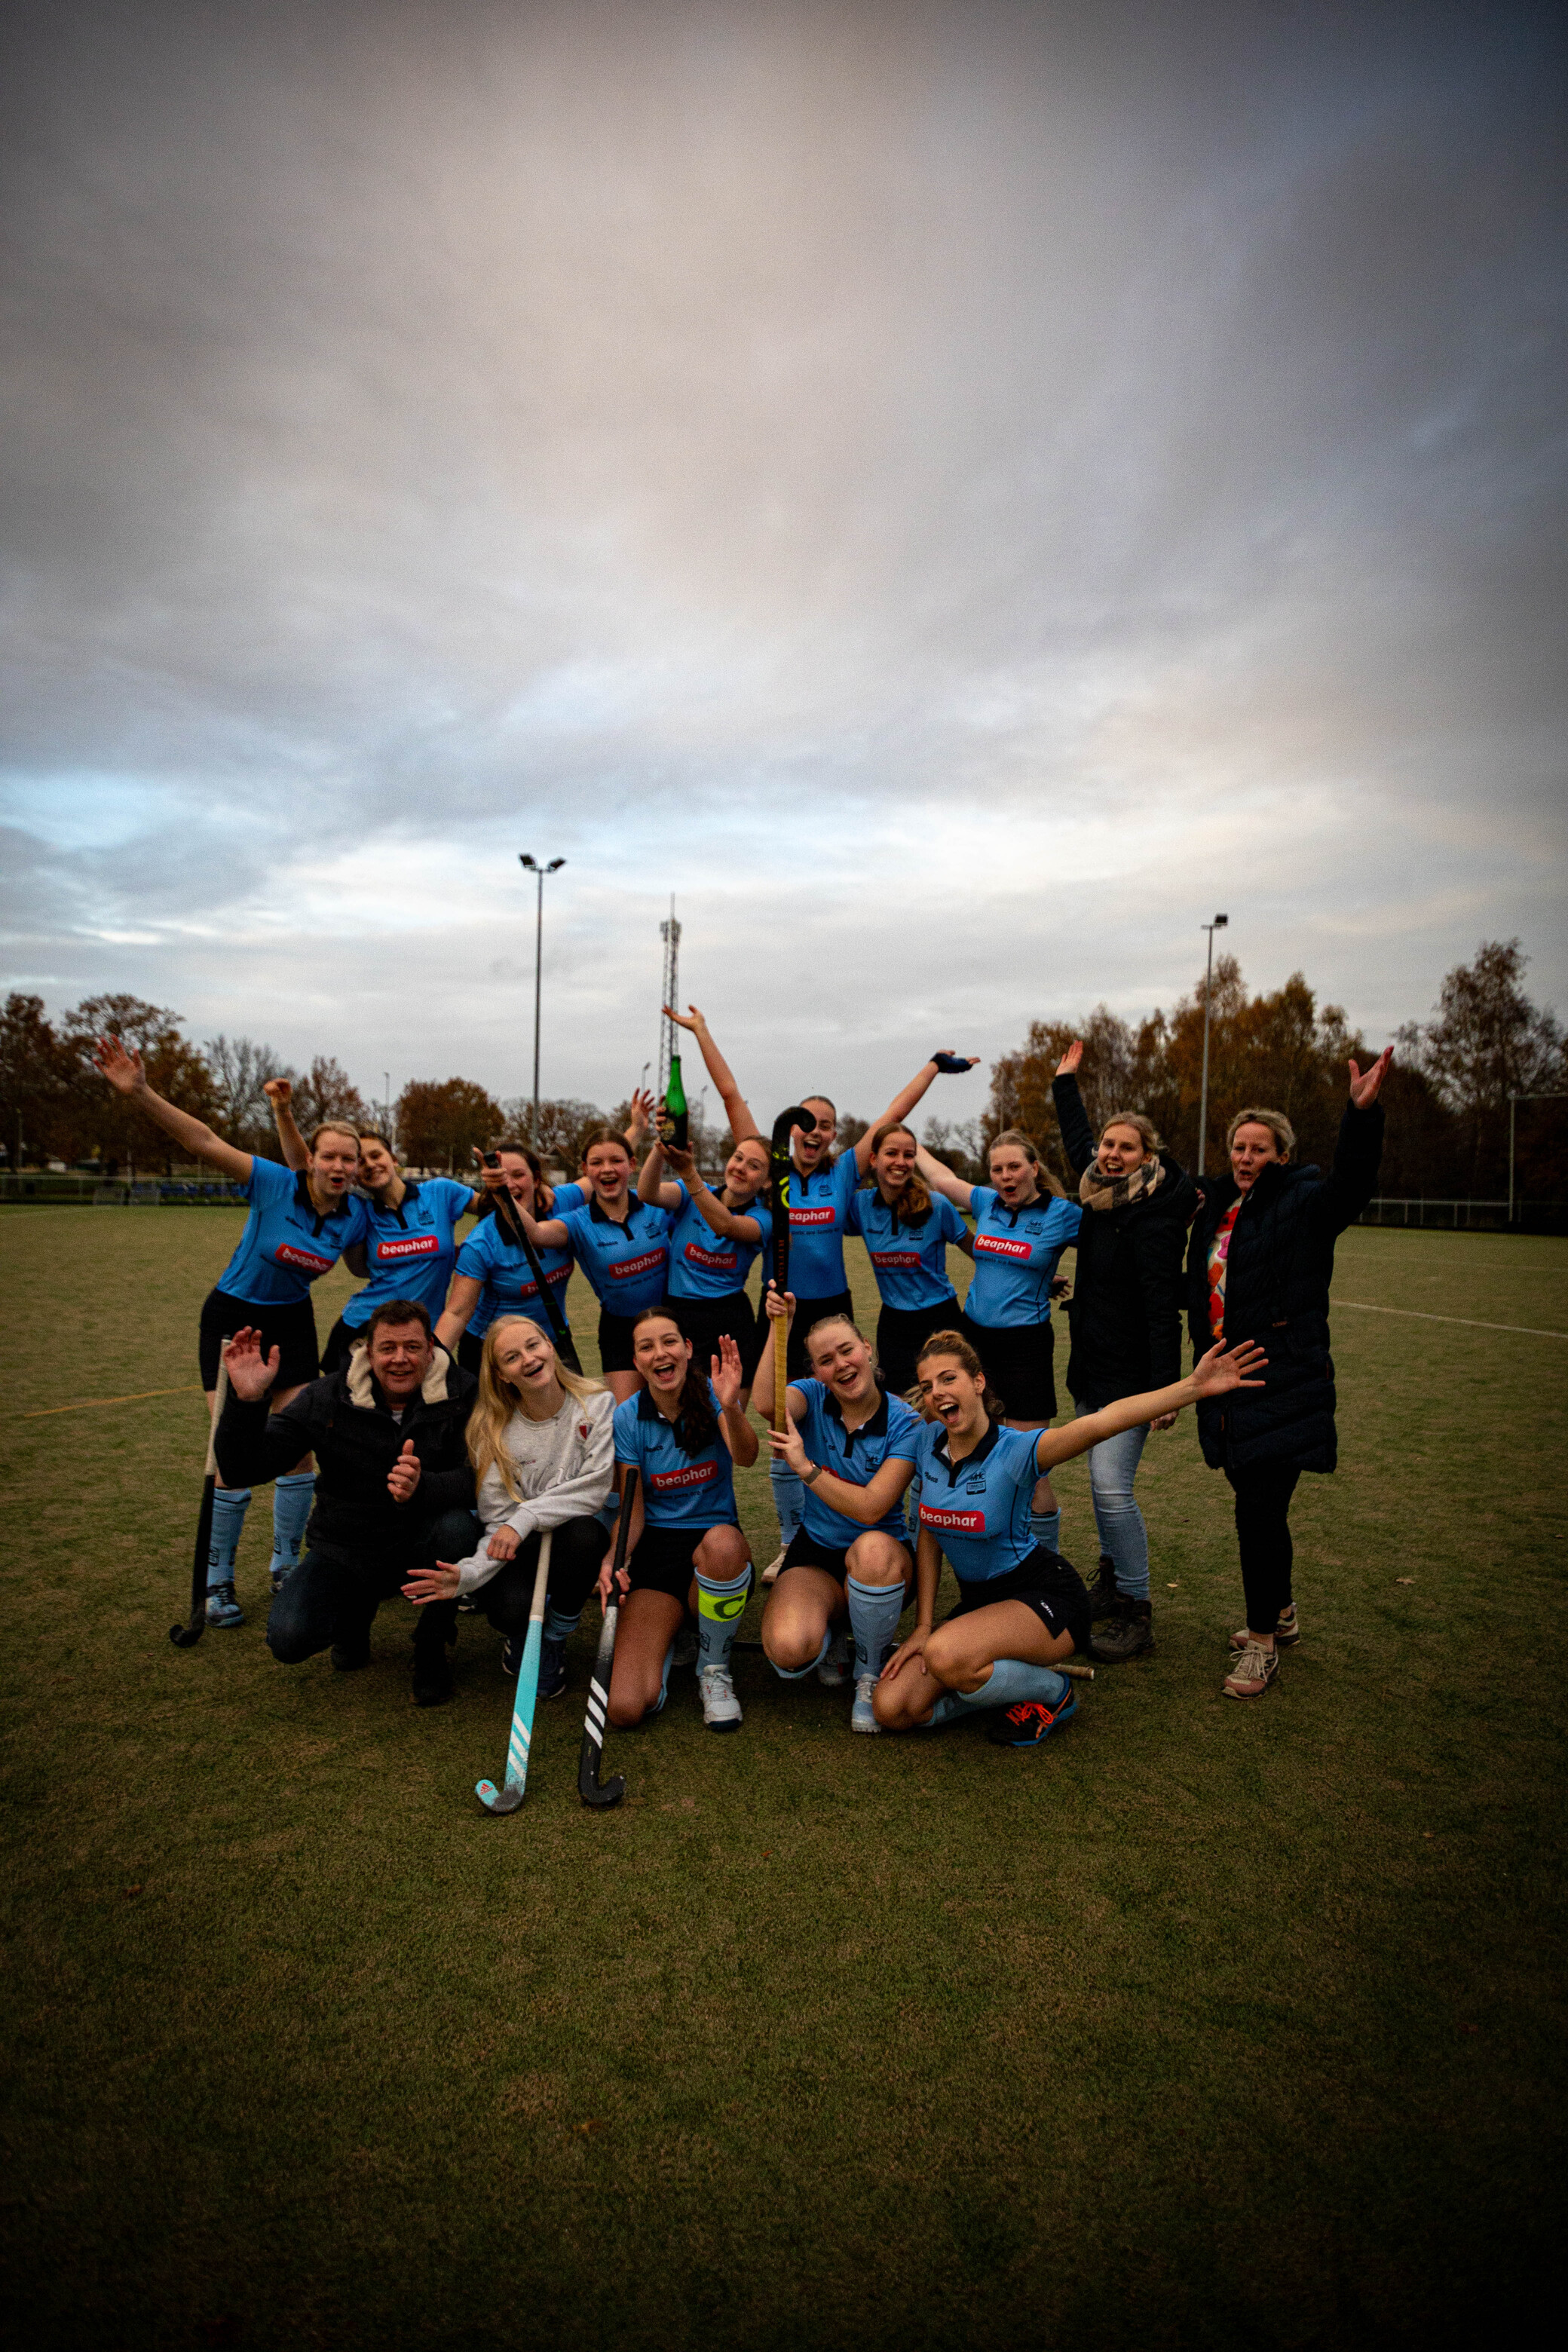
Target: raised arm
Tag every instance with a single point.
(941, 1178)
(904, 1101)
(651, 1184)
(727, 1376)
(1078, 1135)
(736, 1108)
(868, 1504)
(1213, 1375)
(279, 1093)
(123, 1068)
(544, 1233)
(1358, 1152)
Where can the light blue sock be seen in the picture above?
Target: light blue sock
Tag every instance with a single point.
(798, 1673)
(874, 1614)
(1010, 1680)
(720, 1608)
(657, 1706)
(229, 1507)
(789, 1500)
(292, 1500)
(558, 1625)
(1047, 1529)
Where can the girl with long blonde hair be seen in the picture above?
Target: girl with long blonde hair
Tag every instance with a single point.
(542, 1442)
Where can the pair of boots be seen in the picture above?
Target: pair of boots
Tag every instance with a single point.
(1130, 1631)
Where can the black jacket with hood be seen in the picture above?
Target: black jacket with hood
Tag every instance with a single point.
(1280, 1264)
(1125, 1312)
(345, 1421)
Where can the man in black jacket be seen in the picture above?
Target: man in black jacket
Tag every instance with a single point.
(394, 1487)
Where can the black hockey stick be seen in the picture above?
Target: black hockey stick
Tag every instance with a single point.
(512, 1225)
(602, 1794)
(780, 1168)
(186, 1636)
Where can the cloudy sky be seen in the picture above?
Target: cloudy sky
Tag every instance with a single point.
(957, 494)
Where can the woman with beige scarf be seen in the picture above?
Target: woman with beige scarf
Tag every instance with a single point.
(1126, 1322)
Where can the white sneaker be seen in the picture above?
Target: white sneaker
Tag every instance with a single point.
(863, 1715)
(834, 1671)
(721, 1707)
(771, 1573)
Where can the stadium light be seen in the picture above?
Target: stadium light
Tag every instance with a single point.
(1218, 924)
(532, 865)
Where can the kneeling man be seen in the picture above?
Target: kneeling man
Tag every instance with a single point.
(395, 1490)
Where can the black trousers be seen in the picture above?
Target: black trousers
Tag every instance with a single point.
(1262, 1493)
(332, 1596)
(574, 1557)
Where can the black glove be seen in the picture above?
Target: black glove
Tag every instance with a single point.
(952, 1064)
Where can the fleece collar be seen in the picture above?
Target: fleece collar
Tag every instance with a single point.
(364, 1389)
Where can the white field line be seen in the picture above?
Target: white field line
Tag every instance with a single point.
(1525, 1330)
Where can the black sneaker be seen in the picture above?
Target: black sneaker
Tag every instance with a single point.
(512, 1656)
(1103, 1594)
(552, 1667)
(432, 1683)
(1130, 1634)
(1025, 1725)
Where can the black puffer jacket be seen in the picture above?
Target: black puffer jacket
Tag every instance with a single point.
(1125, 1313)
(1277, 1274)
(346, 1422)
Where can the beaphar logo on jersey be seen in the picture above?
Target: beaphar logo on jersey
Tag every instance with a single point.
(999, 1246)
(415, 1245)
(646, 1263)
(724, 1261)
(895, 1257)
(287, 1255)
(823, 1216)
(697, 1474)
(957, 1522)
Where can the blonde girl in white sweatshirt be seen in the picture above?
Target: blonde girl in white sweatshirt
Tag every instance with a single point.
(541, 1440)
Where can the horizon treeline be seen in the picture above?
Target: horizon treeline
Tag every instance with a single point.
(1447, 1095)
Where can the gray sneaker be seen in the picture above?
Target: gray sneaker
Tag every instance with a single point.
(1286, 1638)
(223, 1609)
(863, 1715)
(721, 1707)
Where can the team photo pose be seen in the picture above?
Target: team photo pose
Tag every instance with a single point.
(907, 1231)
(684, 1431)
(1023, 1223)
(492, 1276)
(542, 1443)
(395, 1490)
(1125, 1323)
(1259, 1264)
(714, 1239)
(622, 1244)
(821, 1188)
(1022, 1610)
(300, 1223)
(852, 1444)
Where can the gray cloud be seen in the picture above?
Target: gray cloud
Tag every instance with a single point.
(950, 490)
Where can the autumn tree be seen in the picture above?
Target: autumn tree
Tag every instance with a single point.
(442, 1126)
(36, 1075)
(106, 1122)
(1486, 1041)
(241, 1113)
(327, 1091)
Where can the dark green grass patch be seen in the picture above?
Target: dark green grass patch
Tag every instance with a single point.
(1208, 2025)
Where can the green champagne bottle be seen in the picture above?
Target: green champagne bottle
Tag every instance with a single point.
(672, 1127)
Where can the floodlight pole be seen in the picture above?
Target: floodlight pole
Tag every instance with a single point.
(1218, 924)
(1557, 1096)
(532, 865)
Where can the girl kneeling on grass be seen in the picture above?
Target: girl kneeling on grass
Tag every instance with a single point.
(1022, 1610)
(540, 1440)
(853, 1448)
(684, 1434)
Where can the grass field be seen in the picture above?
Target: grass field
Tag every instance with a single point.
(1206, 2025)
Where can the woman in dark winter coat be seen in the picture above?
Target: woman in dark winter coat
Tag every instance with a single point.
(1258, 1267)
(1126, 1323)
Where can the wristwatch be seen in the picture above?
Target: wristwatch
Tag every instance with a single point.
(810, 1477)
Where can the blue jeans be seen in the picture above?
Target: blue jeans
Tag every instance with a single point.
(1123, 1538)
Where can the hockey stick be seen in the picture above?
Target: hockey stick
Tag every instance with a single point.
(780, 1166)
(507, 1800)
(512, 1225)
(186, 1636)
(601, 1794)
